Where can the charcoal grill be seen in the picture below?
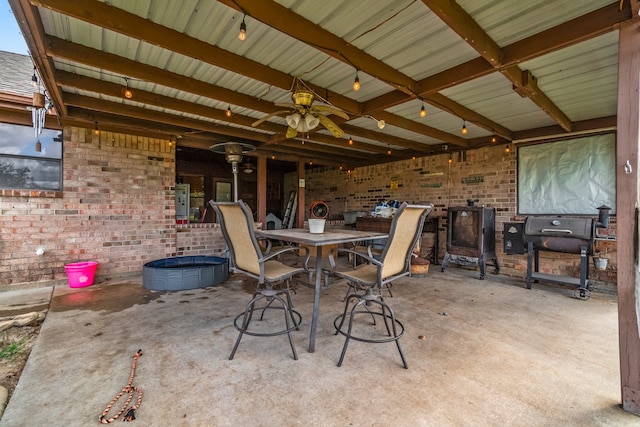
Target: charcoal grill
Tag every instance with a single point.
(560, 234)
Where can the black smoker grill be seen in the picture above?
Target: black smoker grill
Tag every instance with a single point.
(471, 237)
(558, 234)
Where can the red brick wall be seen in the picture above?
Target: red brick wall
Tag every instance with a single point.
(117, 208)
(487, 174)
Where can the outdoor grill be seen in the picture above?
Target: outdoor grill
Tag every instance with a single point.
(562, 234)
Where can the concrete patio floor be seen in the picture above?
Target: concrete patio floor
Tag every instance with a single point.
(481, 353)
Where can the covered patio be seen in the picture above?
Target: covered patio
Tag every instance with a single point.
(129, 84)
(481, 353)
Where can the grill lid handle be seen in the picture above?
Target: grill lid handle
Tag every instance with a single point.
(555, 230)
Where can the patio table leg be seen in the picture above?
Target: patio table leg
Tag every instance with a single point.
(316, 300)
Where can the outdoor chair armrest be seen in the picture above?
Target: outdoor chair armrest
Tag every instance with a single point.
(336, 251)
(268, 256)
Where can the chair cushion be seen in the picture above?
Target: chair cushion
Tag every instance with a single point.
(364, 273)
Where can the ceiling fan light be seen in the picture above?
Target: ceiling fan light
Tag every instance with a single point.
(293, 120)
(311, 121)
(381, 124)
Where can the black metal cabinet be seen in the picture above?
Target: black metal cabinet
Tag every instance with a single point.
(471, 237)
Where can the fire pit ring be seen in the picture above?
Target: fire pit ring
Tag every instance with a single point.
(184, 272)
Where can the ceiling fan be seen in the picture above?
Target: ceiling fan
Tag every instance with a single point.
(303, 116)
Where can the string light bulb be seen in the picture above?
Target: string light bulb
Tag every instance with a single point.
(242, 35)
(507, 149)
(228, 112)
(356, 82)
(450, 159)
(388, 150)
(493, 137)
(423, 112)
(34, 78)
(273, 157)
(350, 141)
(464, 127)
(127, 92)
(95, 129)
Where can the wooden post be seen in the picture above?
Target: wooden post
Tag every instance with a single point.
(262, 191)
(302, 210)
(627, 145)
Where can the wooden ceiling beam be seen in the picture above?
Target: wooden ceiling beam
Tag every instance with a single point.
(419, 128)
(319, 150)
(288, 22)
(117, 20)
(393, 140)
(156, 116)
(85, 83)
(467, 28)
(446, 104)
(585, 27)
(115, 123)
(523, 82)
(577, 30)
(58, 48)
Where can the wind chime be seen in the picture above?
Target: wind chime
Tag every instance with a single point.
(38, 113)
(40, 106)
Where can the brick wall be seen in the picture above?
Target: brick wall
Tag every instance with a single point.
(487, 174)
(200, 239)
(117, 208)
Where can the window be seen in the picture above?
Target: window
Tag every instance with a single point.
(29, 162)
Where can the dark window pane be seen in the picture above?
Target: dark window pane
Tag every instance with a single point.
(16, 172)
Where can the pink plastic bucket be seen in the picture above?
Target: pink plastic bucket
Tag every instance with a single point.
(81, 274)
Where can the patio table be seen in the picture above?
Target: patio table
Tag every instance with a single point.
(318, 240)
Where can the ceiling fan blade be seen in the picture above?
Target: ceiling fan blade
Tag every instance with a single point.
(291, 132)
(277, 113)
(331, 110)
(331, 126)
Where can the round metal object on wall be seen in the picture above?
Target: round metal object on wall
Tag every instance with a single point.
(319, 210)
